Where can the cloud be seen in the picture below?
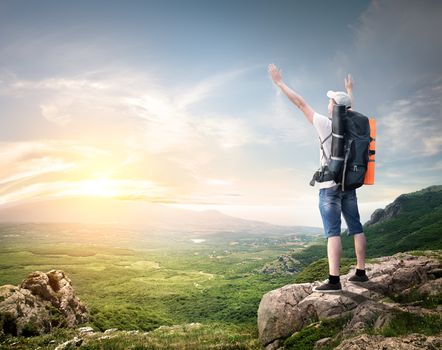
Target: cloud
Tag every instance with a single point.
(207, 87)
(219, 182)
(25, 164)
(163, 116)
(395, 51)
(230, 132)
(106, 188)
(60, 83)
(177, 141)
(52, 113)
(39, 167)
(403, 36)
(288, 123)
(52, 169)
(126, 126)
(412, 126)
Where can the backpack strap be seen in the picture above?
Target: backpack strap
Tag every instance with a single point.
(347, 154)
(321, 143)
(322, 174)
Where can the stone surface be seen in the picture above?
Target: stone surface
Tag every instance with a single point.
(284, 264)
(367, 313)
(321, 343)
(41, 302)
(21, 311)
(410, 342)
(70, 344)
(279, 315)
(110, 330)
(431, 288)
(288, 309)
(86, 330)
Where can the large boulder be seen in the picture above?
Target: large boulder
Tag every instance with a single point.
(41, 302)
(290, 308)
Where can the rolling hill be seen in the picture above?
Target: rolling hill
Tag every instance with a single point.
(412, 221)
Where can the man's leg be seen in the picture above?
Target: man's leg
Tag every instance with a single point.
(351, 215)
(334, 249)
(330, 208)
(360, 244)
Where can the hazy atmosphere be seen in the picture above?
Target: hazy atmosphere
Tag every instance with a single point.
(170, 102)
(155, 178)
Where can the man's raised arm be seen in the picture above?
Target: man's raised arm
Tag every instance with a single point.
(297, 99)
(348, 82)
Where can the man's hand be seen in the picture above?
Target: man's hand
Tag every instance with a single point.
(348, 82)
(293, 96)
(275, 74)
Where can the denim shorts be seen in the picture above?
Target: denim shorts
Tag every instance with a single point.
(332, 202)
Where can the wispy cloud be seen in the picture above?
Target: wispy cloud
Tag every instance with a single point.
(287, 122)
(52, 113)
(412, 126)
(25, 165)
(161, 125)
(107, 188)
(207, 87)
(164, 116)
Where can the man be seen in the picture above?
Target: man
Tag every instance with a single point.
(332, 200)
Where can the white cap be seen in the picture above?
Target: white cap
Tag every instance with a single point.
(340, 97)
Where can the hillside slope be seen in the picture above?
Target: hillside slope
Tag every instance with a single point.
(412, 222)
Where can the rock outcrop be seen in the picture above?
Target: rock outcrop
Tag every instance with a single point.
(287, 310)
(284, 264)
(41, 302)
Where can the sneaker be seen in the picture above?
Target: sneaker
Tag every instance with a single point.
(328, 288)
(356, 278)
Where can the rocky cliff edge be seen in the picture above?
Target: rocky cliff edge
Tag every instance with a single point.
(369, 305)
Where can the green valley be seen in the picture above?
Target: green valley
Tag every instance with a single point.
(141, 284)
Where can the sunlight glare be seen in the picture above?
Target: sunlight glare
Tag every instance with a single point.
(101, 187)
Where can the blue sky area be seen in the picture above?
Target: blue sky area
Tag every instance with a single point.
(170, 101)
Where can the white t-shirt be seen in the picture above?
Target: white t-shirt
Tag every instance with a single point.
(323, 127)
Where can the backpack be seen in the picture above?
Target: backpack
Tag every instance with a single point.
(347, 164)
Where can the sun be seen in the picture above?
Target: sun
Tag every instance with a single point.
(106, 187)
(101, 187)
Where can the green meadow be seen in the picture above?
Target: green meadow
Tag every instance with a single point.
(144, 279)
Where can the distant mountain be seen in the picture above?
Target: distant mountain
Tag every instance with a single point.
(136, 214)
(412, 222)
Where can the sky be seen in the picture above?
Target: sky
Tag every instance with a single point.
(170, 102)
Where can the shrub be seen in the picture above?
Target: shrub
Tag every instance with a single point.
(30, 329)
(406, 323)
(8, 323)
(306, 338)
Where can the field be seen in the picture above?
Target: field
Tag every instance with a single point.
(144, 279)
